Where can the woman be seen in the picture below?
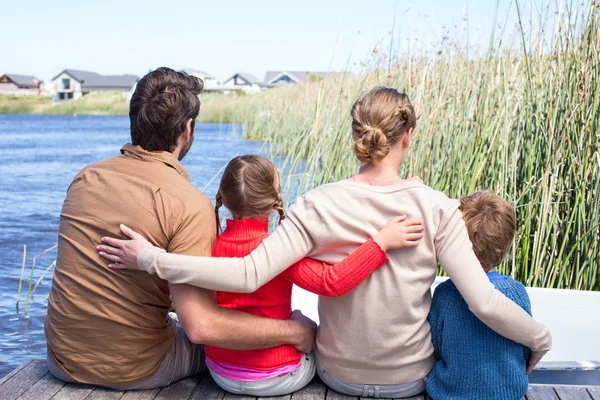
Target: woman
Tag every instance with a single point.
(375, 341)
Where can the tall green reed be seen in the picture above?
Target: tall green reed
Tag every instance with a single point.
(30, 287)
(520, 118)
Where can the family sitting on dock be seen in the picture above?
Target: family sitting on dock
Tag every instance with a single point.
(369, 245)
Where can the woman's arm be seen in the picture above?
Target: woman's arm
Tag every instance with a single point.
(455, 253)
(339, 279)
(296, 237)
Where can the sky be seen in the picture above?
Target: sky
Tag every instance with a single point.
(43, 37)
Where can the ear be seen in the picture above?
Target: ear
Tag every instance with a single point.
(187, 132)
(407, 139)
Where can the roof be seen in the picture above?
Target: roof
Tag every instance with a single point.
(246, 76)
(23, 80)
(298, 76)
(196, 72)
(93, 80)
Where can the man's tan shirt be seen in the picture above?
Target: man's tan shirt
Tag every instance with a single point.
(110, 327)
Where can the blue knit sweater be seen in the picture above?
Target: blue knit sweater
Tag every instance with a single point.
(474, 362)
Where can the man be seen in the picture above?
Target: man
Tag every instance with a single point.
(111, 328)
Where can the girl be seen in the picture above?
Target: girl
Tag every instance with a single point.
(375, 341)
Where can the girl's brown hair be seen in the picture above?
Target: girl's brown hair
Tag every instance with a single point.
(249, 187)
(379, 119)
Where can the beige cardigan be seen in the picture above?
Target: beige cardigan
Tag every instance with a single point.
(378, 333)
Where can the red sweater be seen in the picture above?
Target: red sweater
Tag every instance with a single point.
(274, 299)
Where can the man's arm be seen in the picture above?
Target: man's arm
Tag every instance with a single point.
(204, 322)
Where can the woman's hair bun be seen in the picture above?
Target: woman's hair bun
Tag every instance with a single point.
(372, 146)
(380, 118)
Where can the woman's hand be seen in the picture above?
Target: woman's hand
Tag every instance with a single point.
(398, 233)
(534, 359)
(123, 253)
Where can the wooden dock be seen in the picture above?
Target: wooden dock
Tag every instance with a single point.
(32, 381)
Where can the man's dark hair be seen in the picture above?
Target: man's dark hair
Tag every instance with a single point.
(160, 107)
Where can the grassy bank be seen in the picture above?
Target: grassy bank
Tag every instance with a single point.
(10, 104)
(521, 118)
(103, 103)
(108, 103)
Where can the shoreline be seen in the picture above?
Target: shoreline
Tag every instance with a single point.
(104, 104)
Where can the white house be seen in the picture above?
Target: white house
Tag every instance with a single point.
(210, 82)
(282, 78)
(243, 81)
(72, 84)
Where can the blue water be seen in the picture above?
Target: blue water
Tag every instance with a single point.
(39, 156)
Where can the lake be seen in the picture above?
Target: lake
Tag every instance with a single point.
(39, 156)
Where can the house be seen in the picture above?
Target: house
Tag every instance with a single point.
(21, 85)
(242, 81)
(210, 82)
(72, 84)
(281, 78)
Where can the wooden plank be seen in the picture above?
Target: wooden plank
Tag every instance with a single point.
(594, 392)
(45, 388)
(231, 396)
(181, 390)
(333, 395)
(105, 394)
(314, 390)
(417, 397)
(18, 383)
(141, 394)
(74, 391)
(539, 392)
(15, 371)
(572, 393)
(285, 397)
(207, 389)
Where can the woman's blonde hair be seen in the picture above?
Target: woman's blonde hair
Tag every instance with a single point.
(379, 119)
(249, 187)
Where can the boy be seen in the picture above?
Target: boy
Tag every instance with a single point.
(474, 362)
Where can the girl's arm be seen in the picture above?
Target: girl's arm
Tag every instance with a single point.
(339, 279)
(455, 253)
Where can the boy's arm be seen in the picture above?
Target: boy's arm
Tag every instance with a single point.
(522, 299)
(337, 279)
(436, 321)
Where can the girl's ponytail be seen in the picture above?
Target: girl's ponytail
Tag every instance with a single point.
(279, 207)
(218, 204)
